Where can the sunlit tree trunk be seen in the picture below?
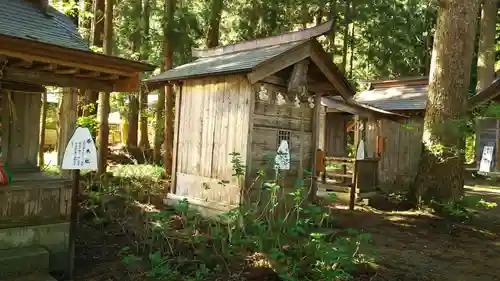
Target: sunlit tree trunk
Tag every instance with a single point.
(160, 126)
(347, 19)
(143, 93)
(104, 96)
(133, 121)
(486, 52)
(213, 29)
(169, 93)
(441, 174)
(96, 38)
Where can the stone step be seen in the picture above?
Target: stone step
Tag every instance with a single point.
(18, 262)
(34, 277)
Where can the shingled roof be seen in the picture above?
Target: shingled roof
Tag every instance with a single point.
(22, 19)
(396, 95)
(238, 62)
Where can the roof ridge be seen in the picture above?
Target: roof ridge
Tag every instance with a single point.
(289, 37)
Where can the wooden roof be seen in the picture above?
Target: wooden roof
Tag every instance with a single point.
(402, 94)
(43, 47)
(353, 107)
(263, 58)
(489, 93)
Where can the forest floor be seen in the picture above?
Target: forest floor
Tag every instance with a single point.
(407, 245)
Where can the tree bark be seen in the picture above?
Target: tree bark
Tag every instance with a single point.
(43, 122)
(486, 51)
(214, 27)
(143, 94)
(169, 93)
(133, 121)
(333, 16)
(160, 126)
(97, 38)
(104, 97)
(347, 19)
(441, 174)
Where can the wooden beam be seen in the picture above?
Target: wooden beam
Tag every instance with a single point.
(50, 53)
(109, 77)
(90, 74)
(300, 35)
(67, 71)
(22, 87)
(330, 71)
(46, 67)
(50, 79)
(21, 63)
(280, 62)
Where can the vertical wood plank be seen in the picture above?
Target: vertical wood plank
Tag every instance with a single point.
(177, 122)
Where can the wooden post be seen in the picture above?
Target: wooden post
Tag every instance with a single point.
(75, 193)
(67, 122)
(43, 121)
(315, 146)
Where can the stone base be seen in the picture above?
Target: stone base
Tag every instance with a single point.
(52, 237)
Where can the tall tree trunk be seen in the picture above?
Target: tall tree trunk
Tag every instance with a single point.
(143, 94)
(43, 122)
(133, 121)
(169, 93)
(351, 58)
(104, 96)
(214, 27)
(85, 21)
(333, 16)
(134, 106)
(96, 38)
(347, 19)
(486, 52)
(160, 126)
(441, 175)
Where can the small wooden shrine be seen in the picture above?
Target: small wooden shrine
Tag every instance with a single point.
(40, 47)
(250, 98)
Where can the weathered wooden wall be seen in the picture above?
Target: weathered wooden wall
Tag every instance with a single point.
(402, 144)
(336, 134)
(213, 123)
(487, 134)
(34, 199)
(269, 118)
(21, 122)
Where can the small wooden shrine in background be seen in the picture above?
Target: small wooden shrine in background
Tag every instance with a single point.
(248, 98)
(40, 47)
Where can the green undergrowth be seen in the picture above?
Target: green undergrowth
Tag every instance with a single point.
(293, 238)
(463, 209)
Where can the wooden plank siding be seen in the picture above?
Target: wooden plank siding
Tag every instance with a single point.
(268, 119)
(23, 130)
(335, 134)
(398, 162)
(33, 199)
(487, 132)
(213, 123)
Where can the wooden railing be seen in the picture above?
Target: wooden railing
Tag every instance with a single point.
(345, 174)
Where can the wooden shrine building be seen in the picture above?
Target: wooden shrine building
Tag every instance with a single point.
(488, 128)
(40, 47)
(249, 98)
(397, 143)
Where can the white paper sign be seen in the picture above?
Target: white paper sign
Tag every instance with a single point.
(282, 160)
(360, 153)
(486, 159)
(80, 153)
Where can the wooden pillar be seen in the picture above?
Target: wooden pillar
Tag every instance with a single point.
(43, 121)
(315, 146)
(67, 121)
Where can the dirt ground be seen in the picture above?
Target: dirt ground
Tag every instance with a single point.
(408, 246)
